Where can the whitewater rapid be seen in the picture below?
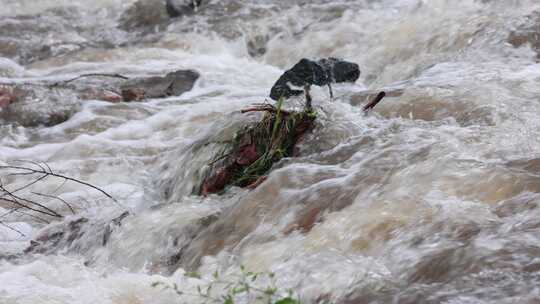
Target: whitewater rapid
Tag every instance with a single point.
(432, 198)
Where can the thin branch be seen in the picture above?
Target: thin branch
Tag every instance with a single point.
(18, 210)
(18, 198)
(17, 203)
(56, 198)
(27, 185)
(90, 75)
(12, 229)
(60, 176)
(264, 108)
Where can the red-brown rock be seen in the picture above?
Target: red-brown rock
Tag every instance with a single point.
(7, 96)
(133, 94)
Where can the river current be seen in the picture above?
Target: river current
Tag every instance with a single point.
(431, 198)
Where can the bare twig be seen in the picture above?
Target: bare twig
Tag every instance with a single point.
(17, 200)
(12, 229)
(90, 75)
(56, 198)
(24, 206)
(27, 206)
(18, 210)
(27, 185)
(60, 176)
(264, 108)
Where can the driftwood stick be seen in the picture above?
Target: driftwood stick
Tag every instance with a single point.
(374, 102)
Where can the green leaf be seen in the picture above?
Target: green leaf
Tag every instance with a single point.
(287, 301)
(238, 290)
(192, 274)
(228, 300)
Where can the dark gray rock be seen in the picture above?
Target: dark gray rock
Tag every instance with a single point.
(178, 8)
(172, 84)
(308, 72)
(45, 104)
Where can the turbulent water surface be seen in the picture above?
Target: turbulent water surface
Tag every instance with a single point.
(432, 198)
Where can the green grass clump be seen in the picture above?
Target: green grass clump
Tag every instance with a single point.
(255, 287)
(275, 137)
(268, 141)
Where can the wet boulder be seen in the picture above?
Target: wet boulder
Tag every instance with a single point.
(178, 8)
(35, 105)
(172, 84)
(42, 103)
(56, 237)
(52, 33)
(143, 13)
(307, 72)
(257, 45)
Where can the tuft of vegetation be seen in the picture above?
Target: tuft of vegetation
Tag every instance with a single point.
(257, 147)
(248, 287)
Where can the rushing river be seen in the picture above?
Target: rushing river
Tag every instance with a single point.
(431, 198)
